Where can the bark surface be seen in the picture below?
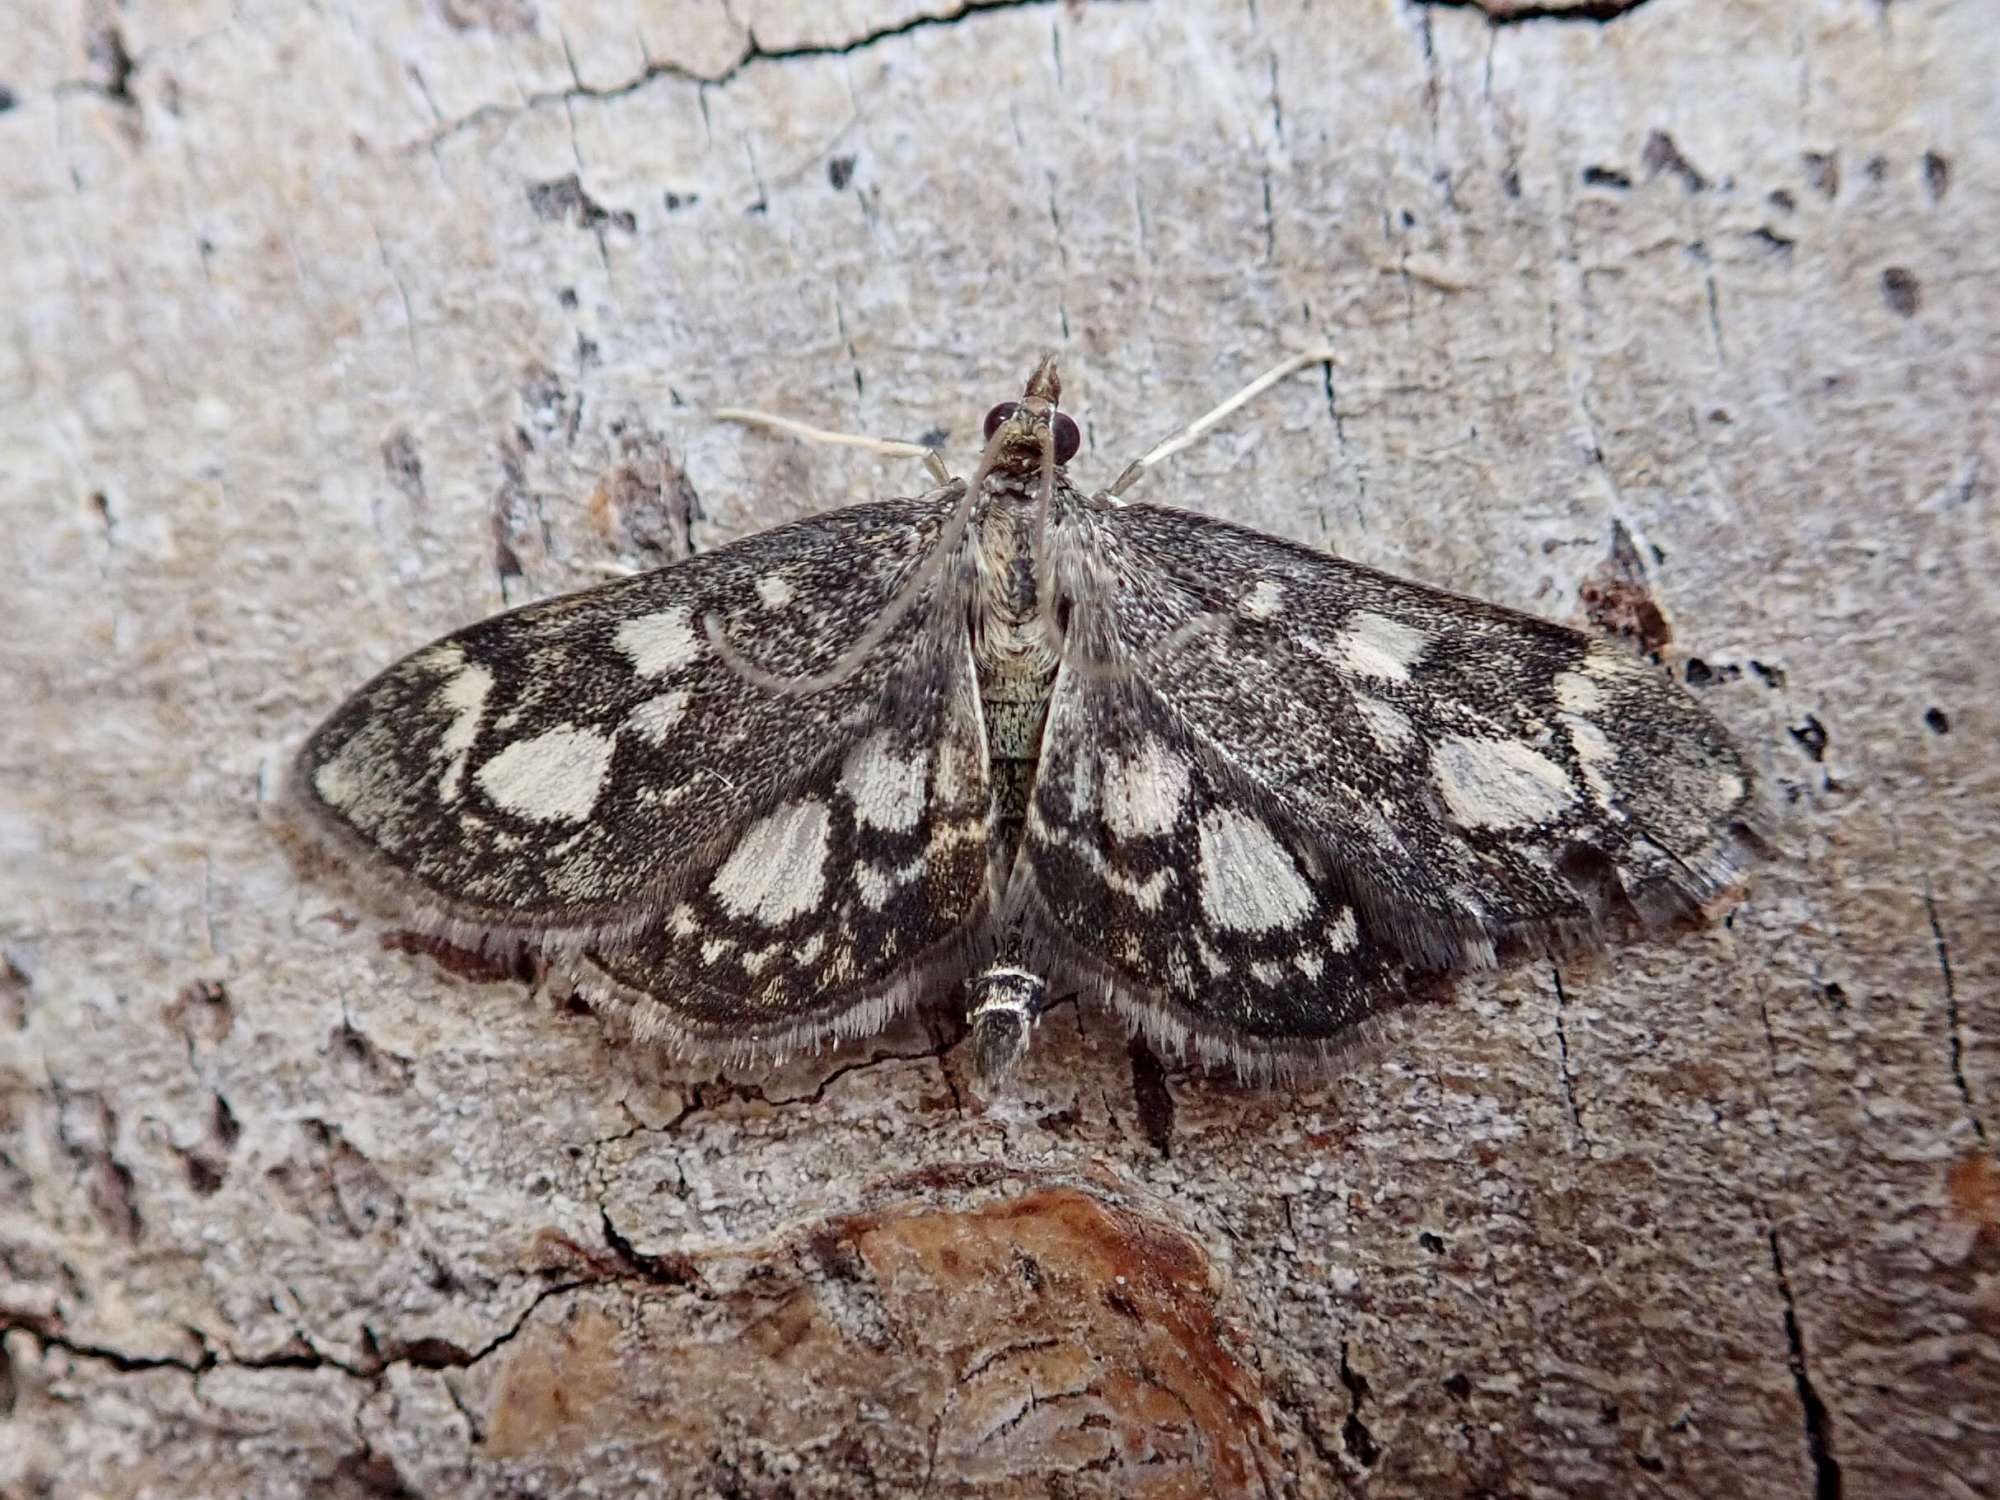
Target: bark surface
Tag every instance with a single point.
(330, 327)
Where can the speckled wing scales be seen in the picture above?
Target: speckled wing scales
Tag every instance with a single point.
(1321, 765)
(589, 774)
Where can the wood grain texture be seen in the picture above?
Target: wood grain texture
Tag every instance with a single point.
(326, 328)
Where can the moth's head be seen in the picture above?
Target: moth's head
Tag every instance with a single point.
(1018, 432)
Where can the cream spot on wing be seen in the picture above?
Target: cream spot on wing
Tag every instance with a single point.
(956, 774)
(755, 961)
(873, 883)
(1578, 694)
(554, 777)
(1594, 754)
(1342, 931)
(1499, 783)
(439, 660)
(1389, 725)
(345, 780)
(659, 643)
(715, 948)
(887, 787)
(655, 719)
(778, 871)
(464, 698)
(1143, 793)
(1264, 601)
(1268, 972)
(948, 835)
(1607, 663)
(1150, 893)
(1309, 964)
(1731, 788)
(684, 923)
(810, 949)
(1214, 962)
(877, 884)
(1248, 881)
(774, 591)
(1374, 645)
(660, 798)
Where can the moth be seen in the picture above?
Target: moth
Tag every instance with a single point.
(1014, 737)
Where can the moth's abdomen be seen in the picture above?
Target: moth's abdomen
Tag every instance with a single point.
(1015, 704)
(1006, 1001)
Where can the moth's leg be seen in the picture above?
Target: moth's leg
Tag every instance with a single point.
(889, 446)
(1005, 1002)
(1200, 427)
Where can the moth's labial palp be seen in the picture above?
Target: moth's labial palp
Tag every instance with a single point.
(1006, 1002)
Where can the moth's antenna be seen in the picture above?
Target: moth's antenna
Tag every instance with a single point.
(1201, 426)
(807, 433)
(1045, 501)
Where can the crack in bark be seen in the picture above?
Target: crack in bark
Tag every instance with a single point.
(1354, 1434)
(1954, 1032)
(422, 1354)
(116, 66)
(1340, 431)
(660, 1270)
(1508, 13)
(1151, 1096)
(1562, 1051)
(753, 53)
(847, 342)
(1062, 257)
(1006, 1351)
(1264, 167)
(707, 1095)
(1819, 1445)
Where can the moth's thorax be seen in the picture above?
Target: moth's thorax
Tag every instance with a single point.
(1009, 636)
(1012, 652)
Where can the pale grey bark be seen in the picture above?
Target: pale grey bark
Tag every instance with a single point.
(328, 327)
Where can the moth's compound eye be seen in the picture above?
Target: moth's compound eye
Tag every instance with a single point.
(998, 415)
(1068, 439)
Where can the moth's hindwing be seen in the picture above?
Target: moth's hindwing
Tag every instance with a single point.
(1279, 735)
(589, 773)
(1206, 914)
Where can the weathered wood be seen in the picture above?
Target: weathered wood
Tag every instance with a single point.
(328, 328)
